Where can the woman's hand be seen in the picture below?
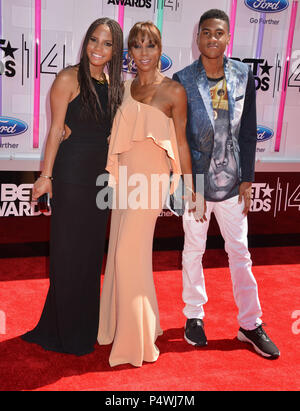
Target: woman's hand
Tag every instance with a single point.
(197, 206)
(40, 187)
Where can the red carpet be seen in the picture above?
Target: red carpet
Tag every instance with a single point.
(225, 364)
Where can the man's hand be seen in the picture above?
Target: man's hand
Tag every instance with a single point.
(197, 206)
(245, 192)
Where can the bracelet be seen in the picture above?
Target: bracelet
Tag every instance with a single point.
(43, 176)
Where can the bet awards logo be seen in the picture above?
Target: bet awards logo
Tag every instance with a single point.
(261, 197)
(261, 71)
(7, 63)
(269, 6)
(131, 3)
(15, 201)
(283, 197)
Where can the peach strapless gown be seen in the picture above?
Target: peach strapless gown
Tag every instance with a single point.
(143, 139)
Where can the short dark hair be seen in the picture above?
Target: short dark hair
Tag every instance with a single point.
(214, 14)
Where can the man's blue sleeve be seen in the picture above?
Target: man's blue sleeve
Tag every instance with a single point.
(248, 132)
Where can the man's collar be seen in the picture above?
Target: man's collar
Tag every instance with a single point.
(201, 67)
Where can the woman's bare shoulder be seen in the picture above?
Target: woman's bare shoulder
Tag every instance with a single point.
(66, 82)
(68, 76)
(175, 89)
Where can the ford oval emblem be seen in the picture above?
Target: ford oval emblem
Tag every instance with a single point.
(10, 126)
(166, 63)
(264, 133)
(267, 6)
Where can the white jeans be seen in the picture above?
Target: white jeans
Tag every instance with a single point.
(234, 229)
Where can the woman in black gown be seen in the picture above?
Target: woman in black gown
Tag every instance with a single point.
(83, 105)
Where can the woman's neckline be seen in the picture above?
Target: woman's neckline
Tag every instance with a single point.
(100, 83)
(145, 104)
(97, 82)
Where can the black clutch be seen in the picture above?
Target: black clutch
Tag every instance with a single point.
(43, 203)
(175, 202)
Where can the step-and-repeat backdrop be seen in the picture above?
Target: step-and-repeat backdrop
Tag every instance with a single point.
(38, 38)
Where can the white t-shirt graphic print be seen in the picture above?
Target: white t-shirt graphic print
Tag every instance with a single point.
(222, 181)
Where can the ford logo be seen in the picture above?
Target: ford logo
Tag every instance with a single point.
(10, 126)
(264, 133)
(267, 6)
(166, 63)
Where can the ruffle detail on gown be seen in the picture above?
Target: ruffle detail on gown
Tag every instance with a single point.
(138, 126)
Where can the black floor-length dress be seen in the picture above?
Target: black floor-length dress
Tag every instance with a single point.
(69, 321)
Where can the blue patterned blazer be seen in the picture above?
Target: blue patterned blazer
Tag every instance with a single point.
(242, 111)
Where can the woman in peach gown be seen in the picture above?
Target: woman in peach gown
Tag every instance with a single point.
(147, 140)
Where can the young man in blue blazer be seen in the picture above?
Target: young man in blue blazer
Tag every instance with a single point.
(222, 132)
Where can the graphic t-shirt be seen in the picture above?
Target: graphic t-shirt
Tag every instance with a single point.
(222, 181)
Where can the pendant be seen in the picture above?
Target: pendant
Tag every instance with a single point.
(215, 114)
(101, 82)
(102, 79)
(221, 92)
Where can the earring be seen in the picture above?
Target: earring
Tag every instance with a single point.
(130, 65)
(159, 64)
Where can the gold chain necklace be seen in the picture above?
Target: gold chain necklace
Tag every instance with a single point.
(102, 79)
